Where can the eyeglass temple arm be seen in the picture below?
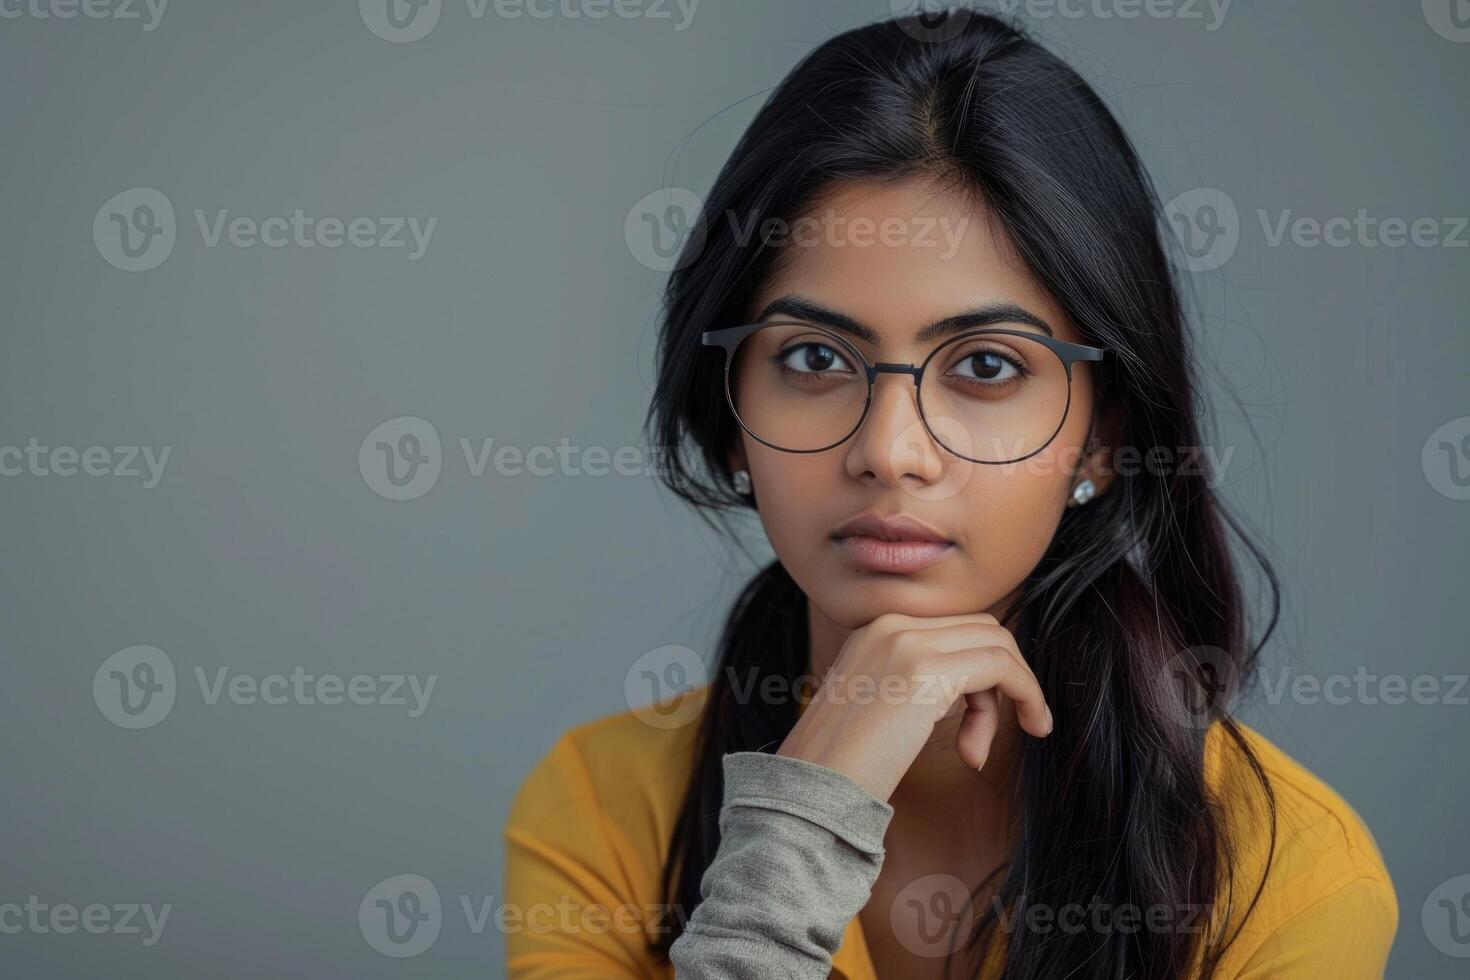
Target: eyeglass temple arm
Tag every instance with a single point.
(728, 337)
(1080, 352)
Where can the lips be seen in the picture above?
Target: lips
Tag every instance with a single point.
(893, 543)
(890, 527)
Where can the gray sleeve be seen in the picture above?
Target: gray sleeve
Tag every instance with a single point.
(800, 848)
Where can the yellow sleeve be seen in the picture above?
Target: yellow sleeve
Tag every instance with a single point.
(1345, 935)
(569, 911)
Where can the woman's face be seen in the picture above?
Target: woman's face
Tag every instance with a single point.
(938, 260)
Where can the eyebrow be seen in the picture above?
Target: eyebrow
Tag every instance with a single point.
(981, 316)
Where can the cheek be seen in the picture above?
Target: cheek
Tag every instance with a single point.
(1010, 517)
(1010, 513)
(793, 493)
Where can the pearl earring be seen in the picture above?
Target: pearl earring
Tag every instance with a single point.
(741, 481)
(1083, 492)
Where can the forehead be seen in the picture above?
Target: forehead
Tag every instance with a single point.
(898, 256)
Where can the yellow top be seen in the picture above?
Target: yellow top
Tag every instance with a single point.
(590, 826)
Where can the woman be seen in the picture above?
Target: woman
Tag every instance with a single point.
(927, 330)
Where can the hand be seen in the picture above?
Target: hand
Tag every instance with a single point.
(896, 677)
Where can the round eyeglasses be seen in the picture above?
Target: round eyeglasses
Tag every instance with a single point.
(993, 395)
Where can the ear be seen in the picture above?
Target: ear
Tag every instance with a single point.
(1097, 460)
(735, 457)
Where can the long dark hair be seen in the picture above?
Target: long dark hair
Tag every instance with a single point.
(1139, 583)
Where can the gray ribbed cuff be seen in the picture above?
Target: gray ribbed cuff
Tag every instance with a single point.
(808, 790)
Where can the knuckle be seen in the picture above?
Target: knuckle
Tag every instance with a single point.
(999, 634)
(901, 639)
(910, 658)
(887, 622)
(995, 657)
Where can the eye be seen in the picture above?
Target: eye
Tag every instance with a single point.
(813, 358)
(989, 366)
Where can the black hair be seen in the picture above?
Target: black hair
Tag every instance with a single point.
(1141, 581)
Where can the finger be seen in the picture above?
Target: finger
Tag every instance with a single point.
(963, 636)
(971, 636)
(996, 668)
(978, 727)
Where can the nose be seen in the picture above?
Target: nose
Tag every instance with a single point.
(892, 446)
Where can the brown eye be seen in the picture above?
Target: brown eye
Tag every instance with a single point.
(812, 358)
(986, 365)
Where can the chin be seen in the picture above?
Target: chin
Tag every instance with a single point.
(864, 597)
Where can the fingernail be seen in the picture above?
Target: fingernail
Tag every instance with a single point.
(1050, 722)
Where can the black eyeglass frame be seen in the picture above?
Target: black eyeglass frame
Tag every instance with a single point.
(1067, 352)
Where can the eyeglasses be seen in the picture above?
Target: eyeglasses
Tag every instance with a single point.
(993, 395)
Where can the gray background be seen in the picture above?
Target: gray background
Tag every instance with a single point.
(530, 320)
